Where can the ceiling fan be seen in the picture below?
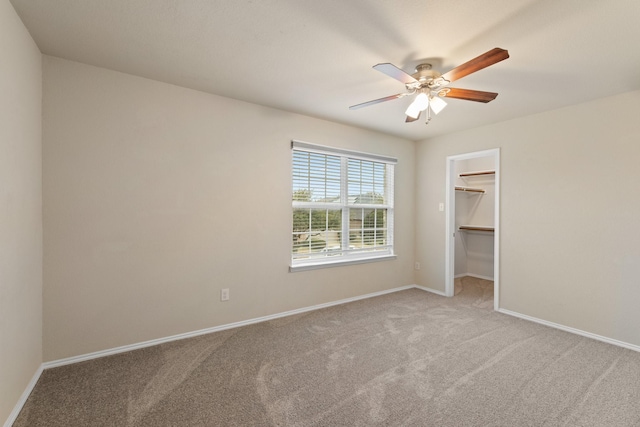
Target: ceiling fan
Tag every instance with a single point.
(430, 86)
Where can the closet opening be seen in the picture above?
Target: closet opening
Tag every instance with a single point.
(472, 220)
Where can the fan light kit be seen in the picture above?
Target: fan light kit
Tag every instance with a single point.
(431, 86)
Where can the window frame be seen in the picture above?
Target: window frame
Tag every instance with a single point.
(346, 255)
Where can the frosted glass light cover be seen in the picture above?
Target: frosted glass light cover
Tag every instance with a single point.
(413, 111)
(437, 104)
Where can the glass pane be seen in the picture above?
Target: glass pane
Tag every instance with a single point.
(300, 245)
(355, 228)
(316, 231)
(366, 182)
(367, 228)
(300, 220)
(302, 195)
(316, 177)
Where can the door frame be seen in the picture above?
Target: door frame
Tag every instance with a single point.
(450, 222)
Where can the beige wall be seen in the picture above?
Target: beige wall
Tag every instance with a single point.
(156, 197)
(569, 208)
(20, 209)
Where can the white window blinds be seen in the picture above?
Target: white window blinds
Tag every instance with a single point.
(342, 205)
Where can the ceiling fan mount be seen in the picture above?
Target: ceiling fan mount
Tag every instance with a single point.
(430, 86)
(425, 76)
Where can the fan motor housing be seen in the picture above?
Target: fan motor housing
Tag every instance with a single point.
(425, 76)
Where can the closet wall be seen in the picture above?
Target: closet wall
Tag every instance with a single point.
(474, 208)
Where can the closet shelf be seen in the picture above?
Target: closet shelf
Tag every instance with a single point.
(476, 228)
(477, 173)
(470, 190)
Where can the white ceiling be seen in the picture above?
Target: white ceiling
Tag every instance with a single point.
(315, 57)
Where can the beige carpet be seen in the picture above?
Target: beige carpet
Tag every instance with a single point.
(410, 358)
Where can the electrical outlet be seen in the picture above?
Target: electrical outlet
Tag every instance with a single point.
(224, 294)
(417, 266)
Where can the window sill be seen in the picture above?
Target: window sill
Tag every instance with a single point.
(330, 264)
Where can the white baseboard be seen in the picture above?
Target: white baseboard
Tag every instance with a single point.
(23, 398)
(477, 276)
(136, 346)
(572, 330)
(433, 291)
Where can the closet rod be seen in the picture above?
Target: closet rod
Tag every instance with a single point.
(476, 228)
(470, 190)
(477, 173)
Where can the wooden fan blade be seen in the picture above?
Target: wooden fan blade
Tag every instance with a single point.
(476, 64)
(410, 119)
(395, 72)
(377, 101)
(469, 95)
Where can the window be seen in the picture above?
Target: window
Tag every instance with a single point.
(342, 204)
